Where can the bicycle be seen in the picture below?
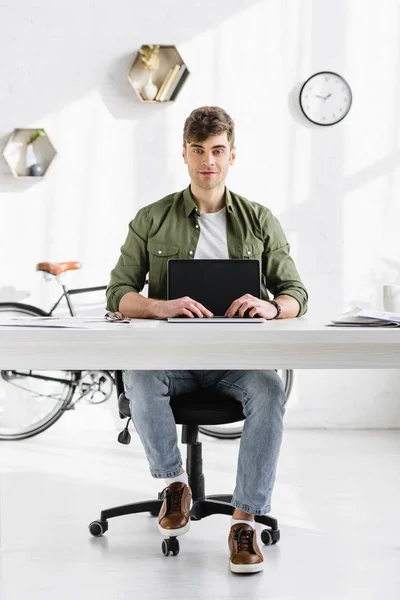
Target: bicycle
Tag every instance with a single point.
(47, 395)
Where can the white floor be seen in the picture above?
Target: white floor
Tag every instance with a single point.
(336, 498)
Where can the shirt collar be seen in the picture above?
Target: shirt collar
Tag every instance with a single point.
(190, 204)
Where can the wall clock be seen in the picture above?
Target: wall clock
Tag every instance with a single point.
(325, 98)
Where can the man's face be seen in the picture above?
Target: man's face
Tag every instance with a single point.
(208, 161)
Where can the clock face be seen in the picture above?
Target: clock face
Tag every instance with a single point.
(325, 98)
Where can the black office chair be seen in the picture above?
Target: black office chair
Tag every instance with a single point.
(203, 407)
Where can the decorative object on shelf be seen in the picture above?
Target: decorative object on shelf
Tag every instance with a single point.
(325, 98)
(170, 83)
(157, 73)
(151, 62)
(36, 170)
(32, 166)
(29, 153)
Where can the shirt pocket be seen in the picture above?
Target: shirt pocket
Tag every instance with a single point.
(253, 249)
(159, 254)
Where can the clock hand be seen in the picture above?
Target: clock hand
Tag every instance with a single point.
(316, 95)
(328, 96)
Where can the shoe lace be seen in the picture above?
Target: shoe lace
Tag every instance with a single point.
(174, 499)
(244, 538)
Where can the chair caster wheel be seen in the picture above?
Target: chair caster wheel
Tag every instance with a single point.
(269, 537)
(97, 528)
(170, 545)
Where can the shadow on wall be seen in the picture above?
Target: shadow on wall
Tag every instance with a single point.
(119, 96)
(59, 76)
(150, 128)
(324, 206)
(11, 294)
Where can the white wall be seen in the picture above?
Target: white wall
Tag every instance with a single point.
(63, 67)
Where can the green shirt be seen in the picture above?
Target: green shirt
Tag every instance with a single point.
(167, 229)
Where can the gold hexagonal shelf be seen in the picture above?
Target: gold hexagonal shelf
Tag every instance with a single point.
(157, 73)
(29, 153)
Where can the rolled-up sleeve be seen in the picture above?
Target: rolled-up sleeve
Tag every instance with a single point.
(281, 273)
(129, 274)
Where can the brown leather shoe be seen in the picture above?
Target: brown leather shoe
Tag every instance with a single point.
(246, 556)
(174, 515)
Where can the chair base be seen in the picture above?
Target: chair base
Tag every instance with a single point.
(203, 506)
(218, 504)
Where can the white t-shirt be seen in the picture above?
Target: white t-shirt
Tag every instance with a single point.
(212, 240)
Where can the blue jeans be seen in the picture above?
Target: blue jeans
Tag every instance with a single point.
(263, 398)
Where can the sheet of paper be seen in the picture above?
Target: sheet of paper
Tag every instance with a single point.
(76, 323)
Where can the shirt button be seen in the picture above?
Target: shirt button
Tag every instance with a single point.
(160, 252)
(190, 251)
(248, 251)
(196, 226)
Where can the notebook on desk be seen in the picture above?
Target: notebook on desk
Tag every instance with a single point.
(215, 283)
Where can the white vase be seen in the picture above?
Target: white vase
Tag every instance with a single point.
(30, 158)
(150, 89)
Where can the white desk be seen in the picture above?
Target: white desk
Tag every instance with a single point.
(291, 344)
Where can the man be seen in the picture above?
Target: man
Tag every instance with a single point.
(206, 220)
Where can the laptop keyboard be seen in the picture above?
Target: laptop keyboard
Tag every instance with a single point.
(218, 317)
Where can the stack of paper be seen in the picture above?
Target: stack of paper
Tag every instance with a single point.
(366, 318)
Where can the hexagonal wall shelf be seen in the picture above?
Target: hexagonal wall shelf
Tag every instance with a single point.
(29, 163)
(166, 80)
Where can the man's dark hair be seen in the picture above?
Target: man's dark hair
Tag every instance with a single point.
(206, 121)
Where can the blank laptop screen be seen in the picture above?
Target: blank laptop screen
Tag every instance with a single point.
(215, 283)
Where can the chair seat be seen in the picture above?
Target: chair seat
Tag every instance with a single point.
(203, 407)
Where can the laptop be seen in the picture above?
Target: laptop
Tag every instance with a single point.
(215, 283)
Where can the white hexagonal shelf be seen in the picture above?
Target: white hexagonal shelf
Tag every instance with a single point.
(166, 79)
(29, 160)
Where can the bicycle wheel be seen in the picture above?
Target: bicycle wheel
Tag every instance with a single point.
(231, 431)
(31, 401)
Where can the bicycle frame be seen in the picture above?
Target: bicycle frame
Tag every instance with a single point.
(67, 293)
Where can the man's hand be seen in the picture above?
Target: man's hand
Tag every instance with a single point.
(255, 306)
(182, 306)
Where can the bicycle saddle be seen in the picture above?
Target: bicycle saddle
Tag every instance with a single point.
(58, 268)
